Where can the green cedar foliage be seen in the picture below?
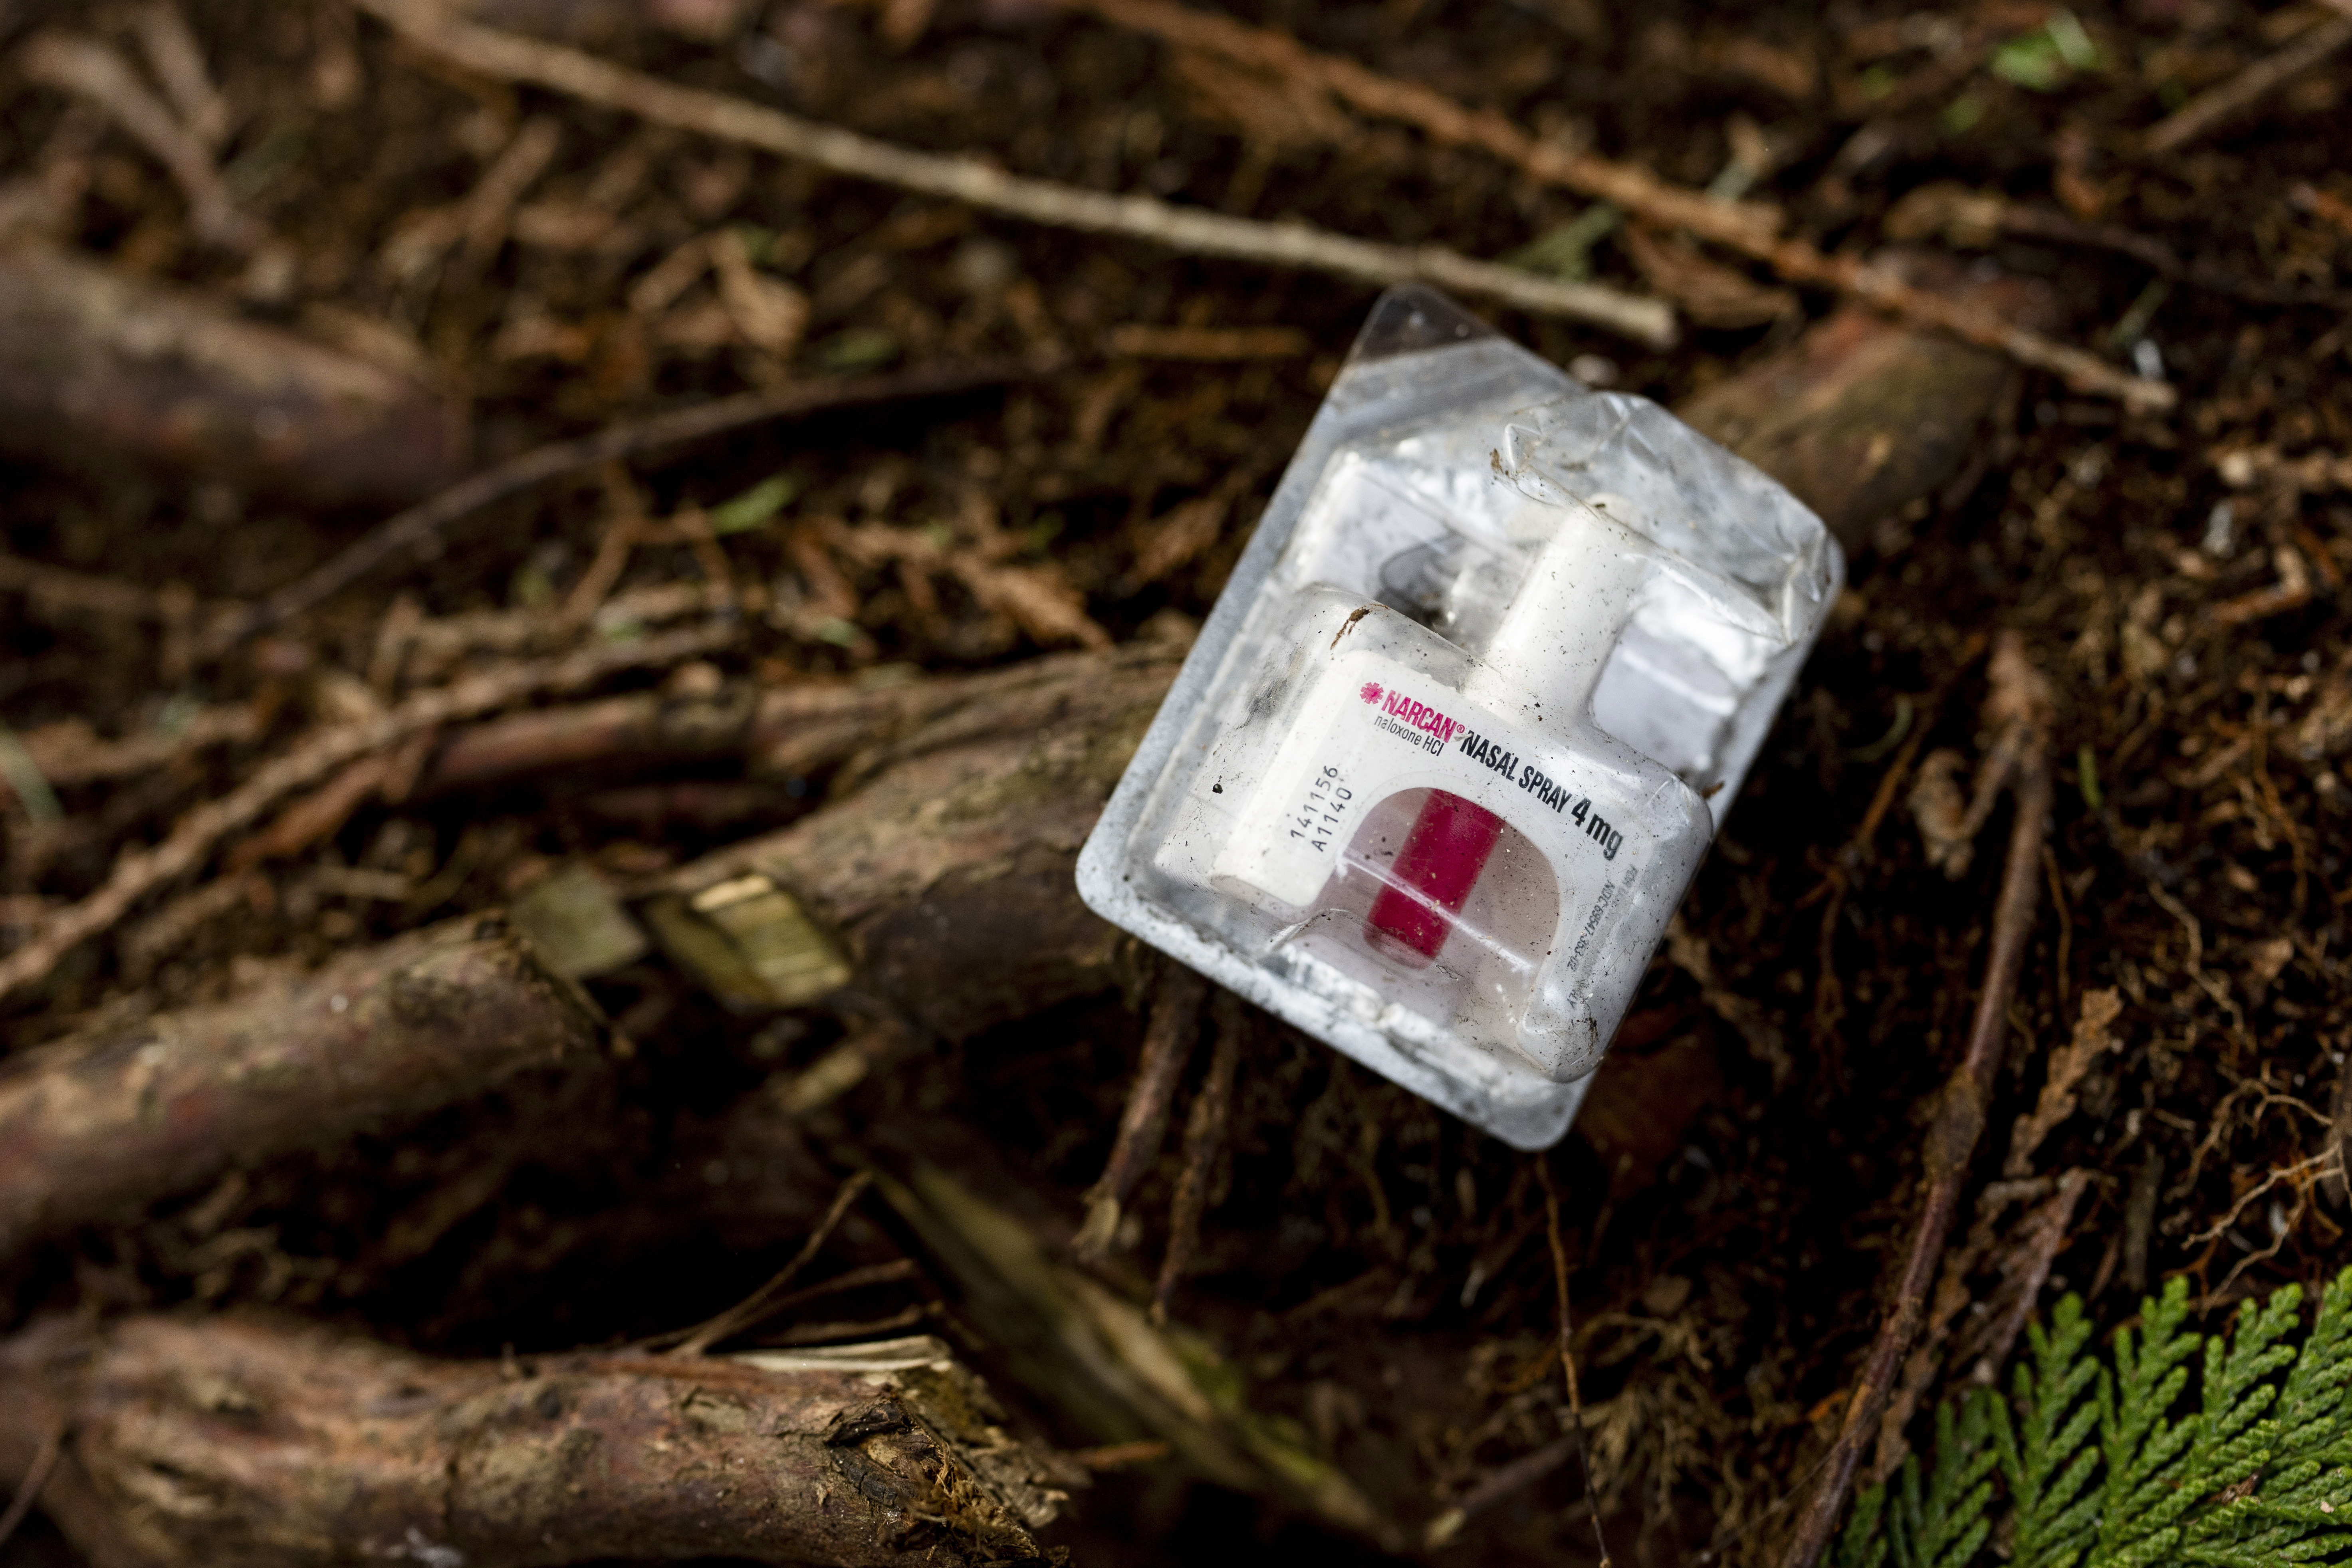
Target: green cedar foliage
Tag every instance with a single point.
(2093, 1464)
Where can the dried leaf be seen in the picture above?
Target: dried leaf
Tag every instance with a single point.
(1178, 535)
(1038, 598)
(770, 313)
(2093, 1037)
(1941, 812)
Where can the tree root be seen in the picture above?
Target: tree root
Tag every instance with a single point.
(105, 1121)
(265, 1443)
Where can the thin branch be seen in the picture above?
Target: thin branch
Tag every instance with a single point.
(1167, 1047)
(140, 873)
(94, 71)
(1741, 226)
(1952, 1137)
(28, 1491)
(1205, 1135)
(1567, 1351)
(760, 1303)
(2215, 104)
(506, 57)
(425, 521)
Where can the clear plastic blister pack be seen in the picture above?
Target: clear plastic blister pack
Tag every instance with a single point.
(1465, 718)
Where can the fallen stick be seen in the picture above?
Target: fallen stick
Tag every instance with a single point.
(270, 1444)
(137, 873)
(1970, 219)
(98, 364)
(508, 57)
(67, 752)
(1960, 1110)
(102, 1123)
(1743, 227)
(423, 522)
(1442, 119)
(2215, 104)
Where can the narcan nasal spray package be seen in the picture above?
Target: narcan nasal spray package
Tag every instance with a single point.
(1466, 717)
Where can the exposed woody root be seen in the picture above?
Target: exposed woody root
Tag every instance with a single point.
(238, 1439)
(801, 731)
(105, 1121)
(943, 881)
(97, 364)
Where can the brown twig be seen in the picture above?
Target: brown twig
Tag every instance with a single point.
(93, 70)
(2215, 104)
(29, 1489)
(1204, 1136)
(425, 521)
(57, 588)
(1493, 1487)
(67, 752)
(763, 1301)
(510, 58)
(1744, 228)
(1567, 1351)
(1167, 1047)
(1952, 1137)
(1442, 119)
(140, 873)
(177, 59)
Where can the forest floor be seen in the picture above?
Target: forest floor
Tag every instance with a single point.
(1379, 1273)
